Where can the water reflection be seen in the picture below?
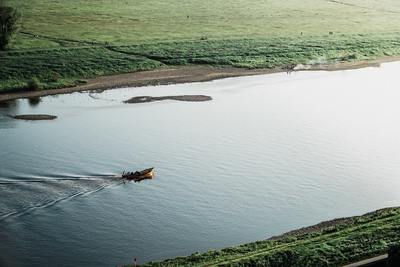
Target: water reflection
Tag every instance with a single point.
(8, 108)
(8, 104)
(34, 101)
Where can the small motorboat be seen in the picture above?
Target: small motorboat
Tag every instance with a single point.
(139, 175)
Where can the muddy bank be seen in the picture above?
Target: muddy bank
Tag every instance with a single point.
(34, 117)
(185, 98)
(186, 74)
(164, 76)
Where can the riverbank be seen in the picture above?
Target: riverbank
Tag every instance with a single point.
(332, 243)
(86, 67)
(79, 49)
(170, 75)
(185, 74)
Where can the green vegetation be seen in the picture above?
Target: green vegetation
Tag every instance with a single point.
(269, 53)
(62, 67)
(8, 24)
(152, 21)
(60, 42)
(355, 239)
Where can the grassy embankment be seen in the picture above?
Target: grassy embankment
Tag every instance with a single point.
(346, 242)
(61, 42)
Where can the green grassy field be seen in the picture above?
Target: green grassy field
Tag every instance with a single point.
(139, 21)
(361, 238)
(60, 42)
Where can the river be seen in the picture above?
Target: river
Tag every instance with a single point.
(268, 154)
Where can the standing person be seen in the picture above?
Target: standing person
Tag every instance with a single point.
(134, 262)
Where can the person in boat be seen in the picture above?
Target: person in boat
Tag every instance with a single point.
(133, 173)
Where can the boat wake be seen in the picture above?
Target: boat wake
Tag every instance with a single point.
(47, 180)
(23, 196)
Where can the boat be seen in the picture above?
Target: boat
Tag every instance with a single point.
(139, 175)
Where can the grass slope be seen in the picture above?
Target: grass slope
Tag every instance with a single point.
(350, 241)
(61, 42)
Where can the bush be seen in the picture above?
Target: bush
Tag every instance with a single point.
(8, 24)
(34, 84)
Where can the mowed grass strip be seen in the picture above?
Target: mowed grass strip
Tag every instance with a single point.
(356, 239)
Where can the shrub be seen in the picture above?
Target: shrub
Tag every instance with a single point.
(34, 84)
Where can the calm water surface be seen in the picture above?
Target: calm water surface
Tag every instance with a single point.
(269, 154)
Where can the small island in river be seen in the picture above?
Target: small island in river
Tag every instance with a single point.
(33, 117)
(187, 98)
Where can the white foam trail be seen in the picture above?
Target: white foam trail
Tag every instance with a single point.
(43, 193)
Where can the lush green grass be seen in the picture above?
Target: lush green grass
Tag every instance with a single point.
(60, 42)
(366, 236)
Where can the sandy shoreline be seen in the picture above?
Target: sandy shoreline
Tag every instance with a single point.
(185, 74)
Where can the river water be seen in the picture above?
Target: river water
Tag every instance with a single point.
(268, 154)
